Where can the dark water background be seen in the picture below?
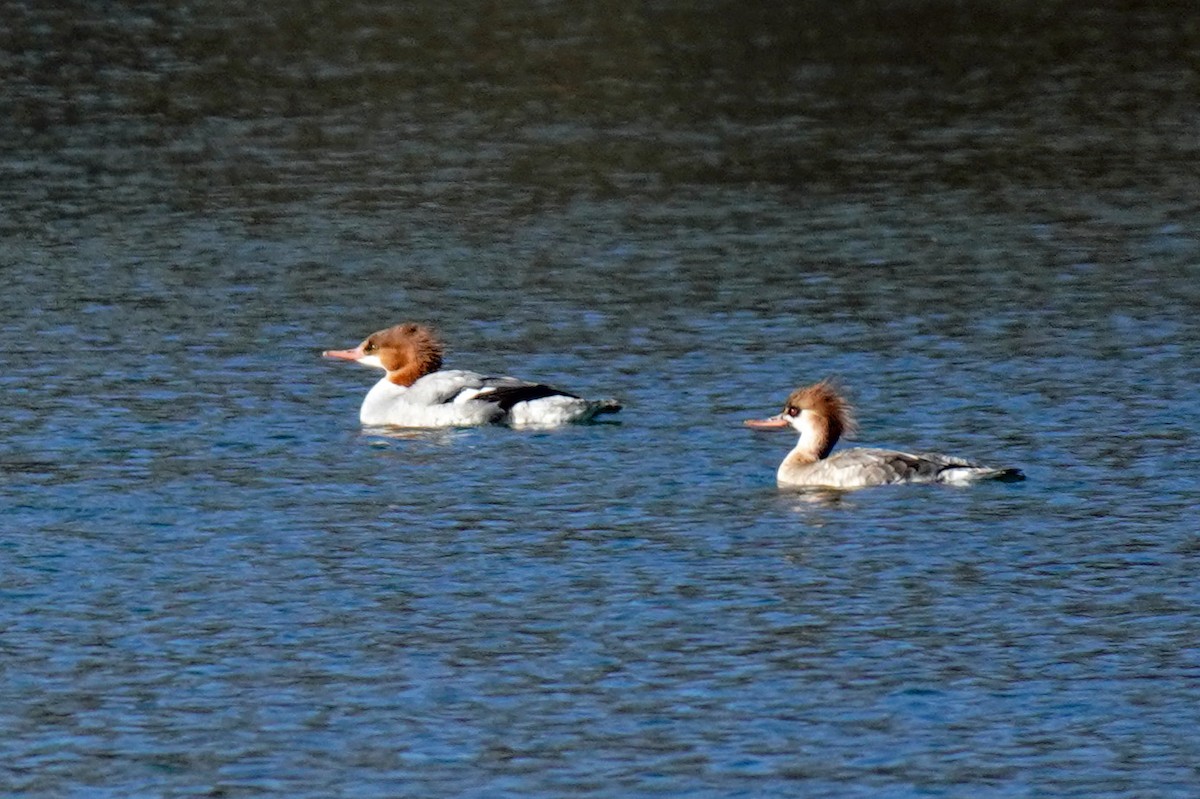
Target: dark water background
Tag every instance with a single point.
(983, 217)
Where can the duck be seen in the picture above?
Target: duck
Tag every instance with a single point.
(416, 391)
(821, 415)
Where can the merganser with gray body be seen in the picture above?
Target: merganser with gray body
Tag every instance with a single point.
(821, 416)
(417, 392)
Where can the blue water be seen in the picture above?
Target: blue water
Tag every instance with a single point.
(214, 582)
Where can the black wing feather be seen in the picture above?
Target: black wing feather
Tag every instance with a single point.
(508, 396)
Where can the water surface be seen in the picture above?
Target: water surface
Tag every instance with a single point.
(215, 582)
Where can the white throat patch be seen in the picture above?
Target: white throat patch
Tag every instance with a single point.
(372, 360)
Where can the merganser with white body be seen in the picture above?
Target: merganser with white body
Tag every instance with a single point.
(821, 416)
(416, 392)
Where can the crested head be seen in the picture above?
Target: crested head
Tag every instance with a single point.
(408, 351)
(824, 411)
(823, 399)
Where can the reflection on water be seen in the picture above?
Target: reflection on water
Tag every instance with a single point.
(215, 581)
(802, 499)
(383, 433)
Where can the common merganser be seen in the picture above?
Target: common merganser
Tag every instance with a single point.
(821, 416)
(416, 392)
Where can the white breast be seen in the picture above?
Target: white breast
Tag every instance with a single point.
(431, 405)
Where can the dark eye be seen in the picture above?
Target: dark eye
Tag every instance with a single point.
(791, 410)
(370, 347)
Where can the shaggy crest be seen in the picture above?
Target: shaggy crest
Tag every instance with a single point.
(824, 400)
(408, 351)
